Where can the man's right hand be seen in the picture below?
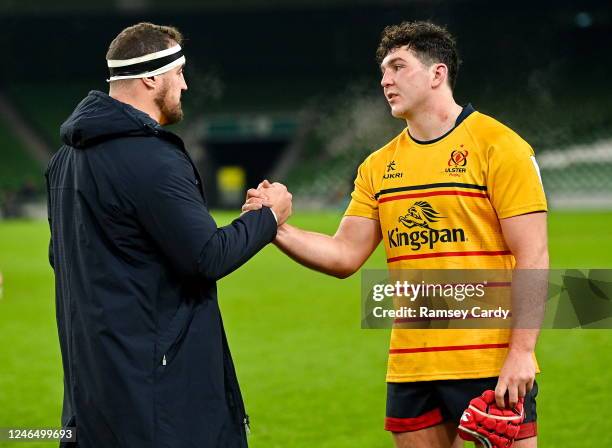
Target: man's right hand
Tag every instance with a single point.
(280, 199)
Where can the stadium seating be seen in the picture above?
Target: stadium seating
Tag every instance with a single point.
(16, 165)
(47, 105)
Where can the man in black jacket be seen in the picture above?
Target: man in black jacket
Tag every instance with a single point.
(137, 256)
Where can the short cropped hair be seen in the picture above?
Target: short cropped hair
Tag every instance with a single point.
(141, 39)
(430, 43)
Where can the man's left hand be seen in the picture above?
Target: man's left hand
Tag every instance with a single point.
(488, 425)
(255, 199)
(516, 377)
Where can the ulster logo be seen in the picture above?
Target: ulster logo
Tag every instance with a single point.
(419, 217)
(458, 158)
(457, 161)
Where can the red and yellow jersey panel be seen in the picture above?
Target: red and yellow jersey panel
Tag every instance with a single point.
(439, 204)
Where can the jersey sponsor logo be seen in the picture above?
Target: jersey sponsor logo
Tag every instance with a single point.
(418, 220)
(420, 215)
(391, 172)
(457, 162)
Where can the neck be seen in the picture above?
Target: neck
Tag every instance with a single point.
(434, 120)
(142, 104)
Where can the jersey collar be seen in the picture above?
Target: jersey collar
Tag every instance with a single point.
(465, 112)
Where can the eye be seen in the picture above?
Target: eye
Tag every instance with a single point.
(397, 67)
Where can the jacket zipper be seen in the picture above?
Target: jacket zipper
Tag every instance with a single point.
(247, 425)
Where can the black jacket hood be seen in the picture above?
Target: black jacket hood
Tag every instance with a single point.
(99, 117)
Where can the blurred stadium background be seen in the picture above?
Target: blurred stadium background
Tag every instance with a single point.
(290, 91)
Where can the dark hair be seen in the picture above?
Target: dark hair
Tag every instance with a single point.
(431, 44)
(142, 38)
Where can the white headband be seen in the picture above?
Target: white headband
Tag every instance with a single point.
(147, 65)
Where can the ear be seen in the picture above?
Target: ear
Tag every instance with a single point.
(151, 82)
(439, 74)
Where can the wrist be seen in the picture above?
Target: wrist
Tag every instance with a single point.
(281, 233)
(523, 341)
(519, 349)
(274, 214)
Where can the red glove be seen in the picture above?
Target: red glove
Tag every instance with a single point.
(489, 425)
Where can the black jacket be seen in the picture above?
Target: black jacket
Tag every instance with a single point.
(136, 257)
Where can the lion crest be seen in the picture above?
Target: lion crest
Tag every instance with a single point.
(420, 215)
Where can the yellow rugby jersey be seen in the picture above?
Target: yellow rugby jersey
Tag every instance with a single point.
(439, 204)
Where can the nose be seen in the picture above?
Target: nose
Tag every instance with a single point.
(183, 83)
(387, 79)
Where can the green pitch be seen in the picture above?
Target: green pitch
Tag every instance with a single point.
(311, 377)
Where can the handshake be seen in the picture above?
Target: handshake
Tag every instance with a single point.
(274, 195)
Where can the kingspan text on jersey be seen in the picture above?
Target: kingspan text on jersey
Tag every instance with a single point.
(421, 237)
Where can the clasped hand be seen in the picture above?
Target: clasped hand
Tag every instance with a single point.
(273, 195)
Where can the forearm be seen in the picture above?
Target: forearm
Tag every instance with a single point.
(529, 293)
(316, 251)
(233, 245)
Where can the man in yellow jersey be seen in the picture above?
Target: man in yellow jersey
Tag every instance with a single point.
(455, 189)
